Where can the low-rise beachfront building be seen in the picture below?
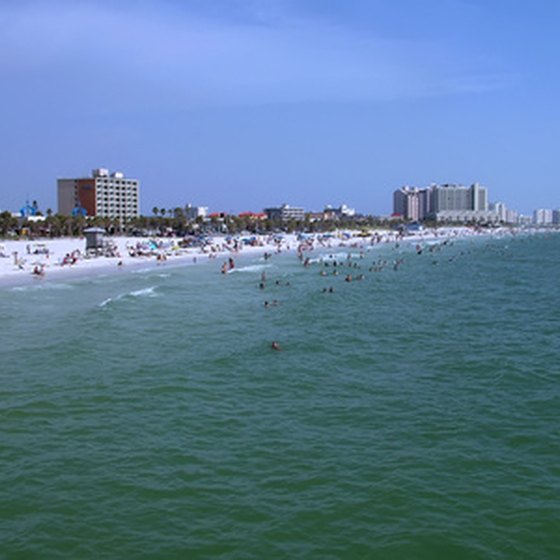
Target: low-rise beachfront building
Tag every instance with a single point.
(252, 216)
(285, 213)
(343, 211)
(466, 216)
(104, 194)
(194, 212)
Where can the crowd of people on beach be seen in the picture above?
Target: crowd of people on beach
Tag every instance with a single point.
(60, 254)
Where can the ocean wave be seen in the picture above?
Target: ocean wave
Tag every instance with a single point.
(251, 268)
(144, 292)
(46, 286)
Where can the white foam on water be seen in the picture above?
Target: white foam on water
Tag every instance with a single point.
(250, 268)
(105, 302)
(145, 292)
(46, 286)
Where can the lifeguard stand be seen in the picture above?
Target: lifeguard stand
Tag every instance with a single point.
(94, 240)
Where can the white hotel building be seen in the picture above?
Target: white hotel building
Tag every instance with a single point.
(104, 194)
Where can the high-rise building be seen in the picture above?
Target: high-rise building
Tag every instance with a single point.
(512, 216)
(500, 209)
(411, 203)
(543, 217)
(455, 203)
(451, 198)
(103, 194)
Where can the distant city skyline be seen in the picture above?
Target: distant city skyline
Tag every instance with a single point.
(245, 104)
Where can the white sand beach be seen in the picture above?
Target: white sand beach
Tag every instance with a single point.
(22, 261)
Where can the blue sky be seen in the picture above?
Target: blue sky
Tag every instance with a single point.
(241, 104)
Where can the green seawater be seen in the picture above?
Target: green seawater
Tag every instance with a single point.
(410, 415)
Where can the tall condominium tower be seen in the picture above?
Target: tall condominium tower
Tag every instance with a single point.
(455, 203)
(411, 203)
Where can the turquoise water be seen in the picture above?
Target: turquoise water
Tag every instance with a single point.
(413, 414)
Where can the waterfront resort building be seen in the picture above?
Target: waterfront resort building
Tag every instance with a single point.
(343, 211)
(543, 217)
(285, 213)
(104, 194)
(505, 215)
(411, 203)
(444, 203)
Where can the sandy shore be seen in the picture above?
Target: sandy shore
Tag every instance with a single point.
(24, 261)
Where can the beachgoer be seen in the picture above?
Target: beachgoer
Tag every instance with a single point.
(38, 271)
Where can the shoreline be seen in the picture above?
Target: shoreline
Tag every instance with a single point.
(165, 251)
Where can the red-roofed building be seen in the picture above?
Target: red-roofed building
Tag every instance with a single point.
(253, 215)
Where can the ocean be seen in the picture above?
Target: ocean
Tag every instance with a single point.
(412, 414)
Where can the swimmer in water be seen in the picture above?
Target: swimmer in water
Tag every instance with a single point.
(275, 345)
